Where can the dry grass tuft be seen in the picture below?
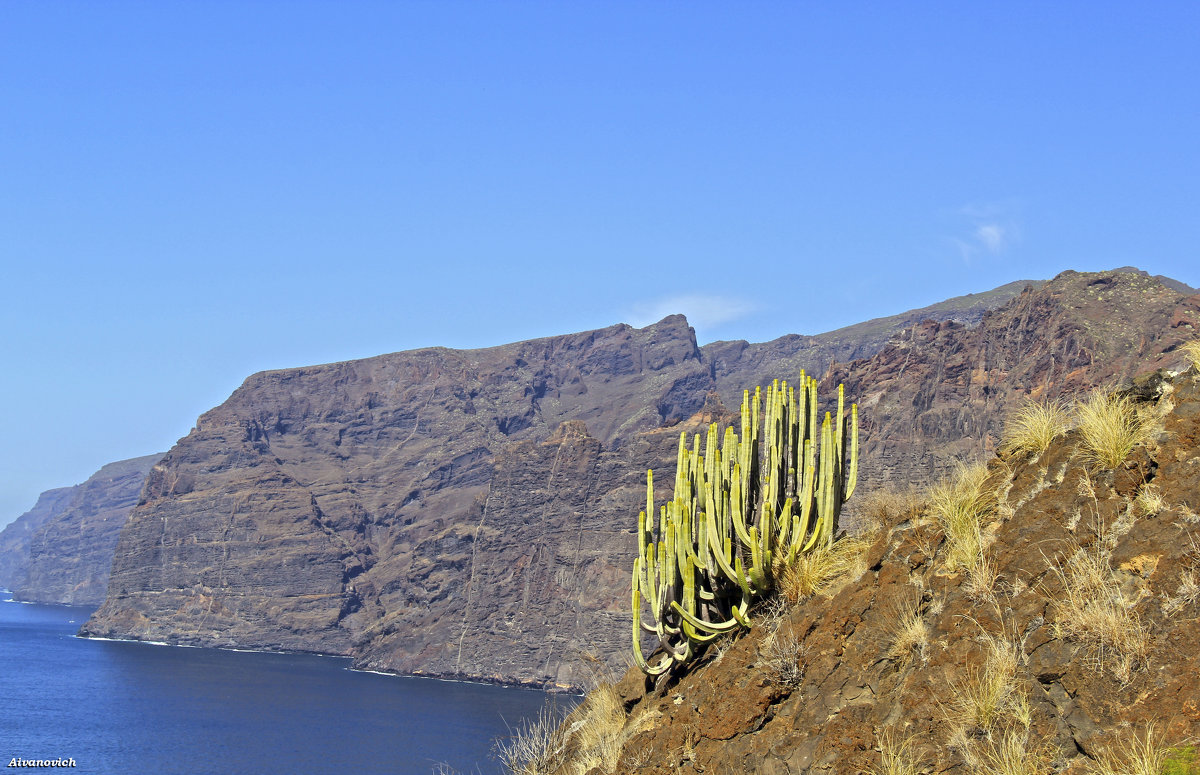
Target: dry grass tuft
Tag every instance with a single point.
(990, 695)
(960, 504)
(1149, 500)
(887, 506)
(591, 737)
(1015, 754)
(1110, 427)
(1146, 755)
(536, 747)
(1192, 351)
(907, 631)
(1093, 609)
(819, 570)
(783, 654)
(1032, 427)
(897, 757)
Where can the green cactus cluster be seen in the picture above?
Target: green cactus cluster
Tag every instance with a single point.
(742, 508)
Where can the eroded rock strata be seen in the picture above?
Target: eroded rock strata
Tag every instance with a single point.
(429, 511)
(62, 549)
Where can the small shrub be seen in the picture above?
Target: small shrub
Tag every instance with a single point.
(1032, 427)
(1181, 760)
(1110, 428)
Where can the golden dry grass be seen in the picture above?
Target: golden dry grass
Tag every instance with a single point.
(1192, 351)
(819, 570)
(1149, 500)
(1032, 427)
(1015, 754)
(897, 757)
(1109, 427)
(959, 504)
(907, 631)
(1093, 609)
(1146, 754)
(990, 694)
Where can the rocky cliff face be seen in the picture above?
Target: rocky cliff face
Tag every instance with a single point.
(15, 538)
(61, 550)
(390, 507)
(430, 512)
(1078, 638)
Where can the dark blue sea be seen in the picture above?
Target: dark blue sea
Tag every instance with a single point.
(137, 708)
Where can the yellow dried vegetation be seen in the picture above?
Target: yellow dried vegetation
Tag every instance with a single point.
(1146, 754)
(1192, 351)
(1109, 427)
(1093, 608)
(959, 504)
(1033, 426)
(590, 738)
(897, 757)
(821, 570)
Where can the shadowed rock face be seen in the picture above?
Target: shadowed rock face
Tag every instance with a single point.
(470, 513)
(61, 550)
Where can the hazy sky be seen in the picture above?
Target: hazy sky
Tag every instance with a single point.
(192, 192)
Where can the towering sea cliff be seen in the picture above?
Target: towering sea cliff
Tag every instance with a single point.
(61, 550)
(470, 513)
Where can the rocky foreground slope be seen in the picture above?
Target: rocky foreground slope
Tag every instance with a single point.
(60, 551)
(1071, 637)
(470, 513)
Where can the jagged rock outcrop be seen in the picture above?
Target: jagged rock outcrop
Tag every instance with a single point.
(738, 364)
(61, 550)
(428, 511)
(1078, 636)
(939, 393)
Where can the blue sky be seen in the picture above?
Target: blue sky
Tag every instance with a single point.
(192, 192)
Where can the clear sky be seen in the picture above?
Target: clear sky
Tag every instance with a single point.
(194, 191)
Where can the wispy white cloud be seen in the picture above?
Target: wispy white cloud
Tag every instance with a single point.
(992, 236)
(991, 229)
(702, 311)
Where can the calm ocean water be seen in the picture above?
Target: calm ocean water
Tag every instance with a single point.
(138, 708)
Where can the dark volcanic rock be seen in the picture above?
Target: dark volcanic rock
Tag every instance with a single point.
(60, 551)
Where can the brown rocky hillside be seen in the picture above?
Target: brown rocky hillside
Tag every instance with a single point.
(1073, 635)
